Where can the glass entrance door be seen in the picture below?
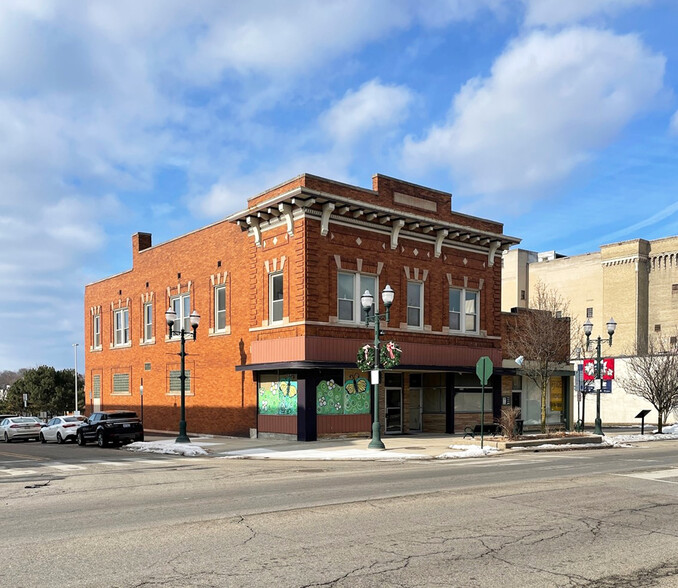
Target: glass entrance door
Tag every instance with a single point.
(393, 406)
(394, 410)
(415, 410)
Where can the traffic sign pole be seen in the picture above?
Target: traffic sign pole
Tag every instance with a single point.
(484, 370)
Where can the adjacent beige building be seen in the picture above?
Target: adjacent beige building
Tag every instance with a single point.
(635, 282)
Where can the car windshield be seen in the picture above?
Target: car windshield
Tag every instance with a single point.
(73, 419)
(24, 420)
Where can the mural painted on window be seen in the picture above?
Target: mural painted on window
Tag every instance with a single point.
(351, 398)
(278, 394)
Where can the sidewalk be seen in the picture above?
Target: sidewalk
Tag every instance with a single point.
(398, 447)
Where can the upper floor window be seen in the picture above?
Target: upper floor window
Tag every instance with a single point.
(121, 326)
(415, 304)
(219, 308)
(589, 312)
(181, 305)
(275, 298)
(350, 287)
(463, 310)
(96, 331)
(148, 321)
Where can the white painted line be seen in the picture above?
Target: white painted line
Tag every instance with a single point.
(657, 475)
(17, 472)
(65, 467)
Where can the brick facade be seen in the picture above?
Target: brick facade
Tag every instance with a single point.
(307, 230)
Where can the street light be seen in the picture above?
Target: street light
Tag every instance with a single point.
(171, 317)
(588, 327)
(372, 316)
(75, 349)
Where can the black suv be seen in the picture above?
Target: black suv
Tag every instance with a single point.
(110, 426)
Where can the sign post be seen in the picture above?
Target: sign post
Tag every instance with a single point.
(484, 371)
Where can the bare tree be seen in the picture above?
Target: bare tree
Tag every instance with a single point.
(541, 335)
(653, 375)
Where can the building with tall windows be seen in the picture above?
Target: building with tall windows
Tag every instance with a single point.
(635, 282)
(278, 288)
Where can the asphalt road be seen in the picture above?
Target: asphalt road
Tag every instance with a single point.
(76, 516)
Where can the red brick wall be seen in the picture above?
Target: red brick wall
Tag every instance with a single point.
(223, 400)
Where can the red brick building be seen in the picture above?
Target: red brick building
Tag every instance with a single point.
(278, 288)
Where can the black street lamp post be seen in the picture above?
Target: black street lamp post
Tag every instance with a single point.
(588, 328)
(171, 317)
(372, 316)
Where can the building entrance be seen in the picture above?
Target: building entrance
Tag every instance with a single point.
(393, 407)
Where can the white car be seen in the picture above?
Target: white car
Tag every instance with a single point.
(61, 428)
(19, 428)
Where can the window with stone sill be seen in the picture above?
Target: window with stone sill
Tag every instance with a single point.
(220, 308)
(350, 287)
(96, 331)
(415, 304)
(121, 327)
(464, 310)
(148, 322)
(275, 298)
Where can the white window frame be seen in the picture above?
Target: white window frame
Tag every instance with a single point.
(420, 307)
(121, 327)
(358, 288)
(181, 304)
(462, 311)
(148, 322)
(96, 331)
(219, 312)
(275, 304)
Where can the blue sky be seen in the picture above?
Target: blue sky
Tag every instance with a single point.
(559, 119)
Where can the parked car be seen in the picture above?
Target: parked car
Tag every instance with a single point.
(19, 428)
(61, 428)
(38, 420)
(111, 426)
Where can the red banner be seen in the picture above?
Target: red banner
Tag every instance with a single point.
(606, 369)
(589, 369)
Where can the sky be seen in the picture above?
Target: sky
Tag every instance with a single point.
(558, 119)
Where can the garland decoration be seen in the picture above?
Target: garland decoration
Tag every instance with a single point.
(365, 358)
(390, 355)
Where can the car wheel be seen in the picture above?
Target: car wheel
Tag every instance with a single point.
(80, 440)
(60, 439)
(42, 438)
(6, 437)
(101, 440)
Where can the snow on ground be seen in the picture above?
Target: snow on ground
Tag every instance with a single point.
(669, 430)
(464, 451)
(636, 438)
(319, 454)
(195, 448)
(168, 447)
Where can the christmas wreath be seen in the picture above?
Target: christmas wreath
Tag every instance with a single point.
(390, 355)
(365, 358)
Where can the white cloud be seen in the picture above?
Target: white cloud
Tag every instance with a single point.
(359, 112)
(548, 104)
(564, 12)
